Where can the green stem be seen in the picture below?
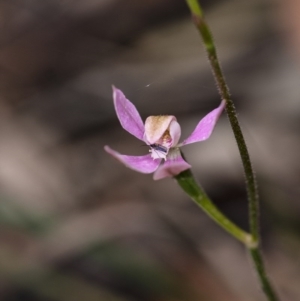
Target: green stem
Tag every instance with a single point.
(187, 182)
(261, 271)
(207, 38)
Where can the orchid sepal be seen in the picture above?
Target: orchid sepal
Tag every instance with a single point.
(128, 115)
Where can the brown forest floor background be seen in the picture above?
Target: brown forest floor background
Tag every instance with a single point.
(77, 225)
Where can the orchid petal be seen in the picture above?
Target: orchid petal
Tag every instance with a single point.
(143, 164)
(156, 126)
(175, 132)
(205, 127)
(128, 115)
(171, 168)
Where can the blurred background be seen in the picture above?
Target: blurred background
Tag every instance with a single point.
(77, 225)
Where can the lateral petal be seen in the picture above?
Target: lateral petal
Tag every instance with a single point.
(143, 164)
(205, 127)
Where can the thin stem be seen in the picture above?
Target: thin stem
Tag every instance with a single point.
(207, 38)
(189, 185)
(261, 271)
(253, 199)
(187, 182)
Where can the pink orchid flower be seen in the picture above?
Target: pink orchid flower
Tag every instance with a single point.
(161, 134)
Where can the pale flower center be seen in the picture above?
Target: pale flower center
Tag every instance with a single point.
(161, 134)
